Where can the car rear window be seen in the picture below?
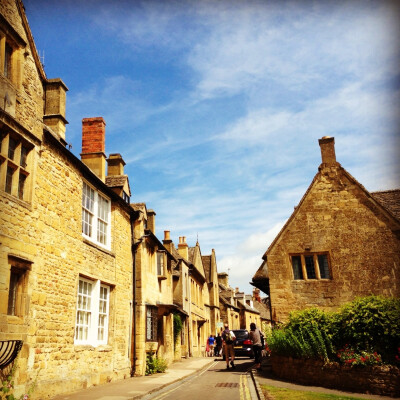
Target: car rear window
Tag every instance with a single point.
(241, 334)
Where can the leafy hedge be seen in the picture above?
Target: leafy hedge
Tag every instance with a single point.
(366, 330)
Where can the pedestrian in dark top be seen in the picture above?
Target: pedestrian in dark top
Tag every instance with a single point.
(228, 337)
(218, 345)
(257, 338)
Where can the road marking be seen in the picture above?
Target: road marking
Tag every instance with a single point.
(212, 365)
(244, 389)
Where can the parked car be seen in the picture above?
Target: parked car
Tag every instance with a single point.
(243, 345)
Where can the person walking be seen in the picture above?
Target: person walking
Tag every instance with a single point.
(228, 337)
(257, 338)
(211, 343)
(218, 345)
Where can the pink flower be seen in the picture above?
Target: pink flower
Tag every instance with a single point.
(26, 397)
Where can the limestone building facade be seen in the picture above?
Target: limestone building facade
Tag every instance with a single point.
(211, 271)
(340, 242)
(153, 293)
(229, 309)
(65, 243)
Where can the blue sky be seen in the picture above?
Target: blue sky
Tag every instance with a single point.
(217, 106)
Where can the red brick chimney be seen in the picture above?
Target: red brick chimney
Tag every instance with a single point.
(93, 145)
(327, 145)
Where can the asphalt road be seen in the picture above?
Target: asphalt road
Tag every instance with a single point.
(213, 383)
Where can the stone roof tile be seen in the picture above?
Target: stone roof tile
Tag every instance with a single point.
(390, 199)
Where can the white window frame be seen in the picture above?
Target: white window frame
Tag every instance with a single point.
(96, 216)
(95, 303)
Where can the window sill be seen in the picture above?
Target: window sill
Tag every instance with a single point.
(98, 247)
(22, 203)
(90, 347)
(15, 319)
(312, 280)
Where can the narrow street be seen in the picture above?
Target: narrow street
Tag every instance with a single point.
(213, 383)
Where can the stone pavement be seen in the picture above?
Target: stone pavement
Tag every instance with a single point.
(137, 387)
(265, 377)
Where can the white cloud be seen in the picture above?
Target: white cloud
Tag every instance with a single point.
(287, 73)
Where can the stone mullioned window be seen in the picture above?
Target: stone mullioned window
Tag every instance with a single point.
(309, 266)
(16, 159)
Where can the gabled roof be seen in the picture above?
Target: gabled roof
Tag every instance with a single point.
(191, 254)
(195, 252)
(116, 180)
(390, 199)
(375, 205)
(39, 66)
(263, 308)
(207, 267)
(246, 307)
(224, 300)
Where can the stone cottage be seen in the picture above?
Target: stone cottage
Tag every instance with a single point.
(211, 271)
(181, 297)
(340, 242)
(229, 309)
(153, 293)
(65, 235)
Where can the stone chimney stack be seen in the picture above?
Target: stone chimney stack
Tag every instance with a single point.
(115, 165)
(223, 278)
(54, 113)
(327, 145)
(167, 242)
(151, 220)
(93, 145)
(183, 248)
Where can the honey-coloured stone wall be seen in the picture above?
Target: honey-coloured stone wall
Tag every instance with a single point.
(339, 217)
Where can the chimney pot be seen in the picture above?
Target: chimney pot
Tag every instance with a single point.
(183, 248)
(167, 235)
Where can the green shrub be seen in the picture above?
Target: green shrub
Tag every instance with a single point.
(369, 328)
(371, 322)
(154, 364)
(177, 327)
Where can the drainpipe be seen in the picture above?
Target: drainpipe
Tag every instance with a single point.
(133, 250)
(133, 364)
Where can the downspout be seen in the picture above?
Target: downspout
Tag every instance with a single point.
(133, 364)
(133, 249)
(270, 305)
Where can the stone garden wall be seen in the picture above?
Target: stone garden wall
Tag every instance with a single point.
(378, 379)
